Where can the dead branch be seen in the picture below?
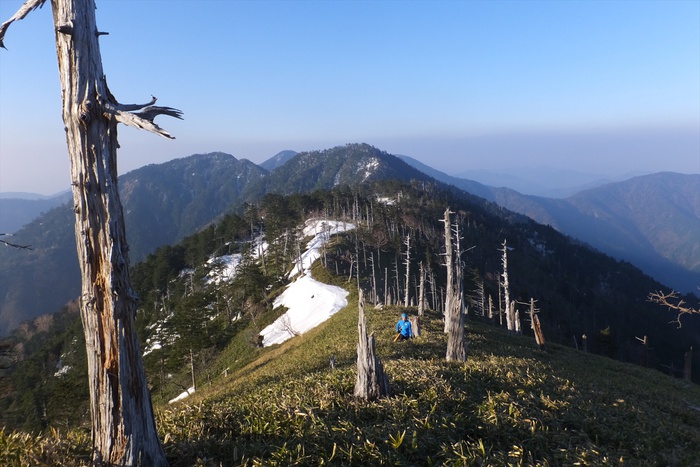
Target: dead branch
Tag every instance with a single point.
(25, 9)
(673, 302)
(13, 245)
(144, 118)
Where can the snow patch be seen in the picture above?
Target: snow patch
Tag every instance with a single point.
(308, 302)
(223, 268)
(182, 395)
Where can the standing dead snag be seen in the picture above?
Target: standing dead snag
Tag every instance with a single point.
(454, 300)
(372, 383)
(535, 324)
(123, 426)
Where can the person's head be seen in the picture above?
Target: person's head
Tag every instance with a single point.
(404, 316)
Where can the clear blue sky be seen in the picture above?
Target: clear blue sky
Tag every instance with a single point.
(595, 86)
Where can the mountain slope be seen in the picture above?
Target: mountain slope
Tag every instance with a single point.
(509, 403)
(278, 160)
(162, 203)
(16, 212)
(652, 221)
(352, 164)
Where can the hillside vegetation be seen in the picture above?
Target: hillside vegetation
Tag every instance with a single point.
(509, 404)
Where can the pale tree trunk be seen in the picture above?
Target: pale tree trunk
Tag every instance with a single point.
(372, 383)
(536, 327)
(510, 309)
(449, 265)
(123, 426)
(421, 291)
(408, 269)
(456, 348)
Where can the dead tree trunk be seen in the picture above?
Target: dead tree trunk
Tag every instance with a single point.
(449, 265)
(454, 318)
(421, 291)
(372, 383)
(123, 426)
(510, 310)
(408, 270)
(535, 323)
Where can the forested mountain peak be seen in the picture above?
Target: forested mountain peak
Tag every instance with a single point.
(351, 165)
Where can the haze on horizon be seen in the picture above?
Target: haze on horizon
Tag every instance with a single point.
(606, 87)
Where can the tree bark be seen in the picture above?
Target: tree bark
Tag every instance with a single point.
(421, 291)
(408, 269)
(454, 316)
(510, 319)
(449, 265)
(123, 426)
(372, 383)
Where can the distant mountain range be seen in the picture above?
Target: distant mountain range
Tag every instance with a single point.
(652, 221)
(18, 209)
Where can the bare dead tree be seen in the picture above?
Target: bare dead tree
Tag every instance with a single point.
(510, 308)
(673, 302)
(421, 291)
(454, 299)
(123, 425)
(372, 383)
(535, 324)
(448, 264)
(408, 269)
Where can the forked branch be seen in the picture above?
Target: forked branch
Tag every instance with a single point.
(673, 302)
(144, 118)
(25, 9)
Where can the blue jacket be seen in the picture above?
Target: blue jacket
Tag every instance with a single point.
(404, 327)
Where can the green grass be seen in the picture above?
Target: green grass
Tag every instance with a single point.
(509, 404)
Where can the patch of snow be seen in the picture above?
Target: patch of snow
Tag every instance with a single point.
(223, 268)
(62, 369)
(308, 302)
(386, 201)
(322, 231)
(182, 395)
(370, 167)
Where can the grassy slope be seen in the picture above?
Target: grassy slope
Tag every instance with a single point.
(511, 403)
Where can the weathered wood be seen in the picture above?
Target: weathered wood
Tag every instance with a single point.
(24, 10)
(415, 325)
(454, 301)
(372, 383)
(449, 293)
(421, 291)
(123, 426)
(408, 269)
(510, 308)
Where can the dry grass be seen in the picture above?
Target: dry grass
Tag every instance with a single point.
(509, 404)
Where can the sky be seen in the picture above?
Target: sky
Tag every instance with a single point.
(605, 87)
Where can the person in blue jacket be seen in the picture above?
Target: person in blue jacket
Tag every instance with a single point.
(403, 327)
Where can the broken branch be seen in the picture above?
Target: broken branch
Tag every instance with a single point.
(25, 9)
(13, 245)
(143, 119)
(673, 302)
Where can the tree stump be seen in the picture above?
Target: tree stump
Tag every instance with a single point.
(372, 383)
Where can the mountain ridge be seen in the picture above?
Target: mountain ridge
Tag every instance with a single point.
(165, 202)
